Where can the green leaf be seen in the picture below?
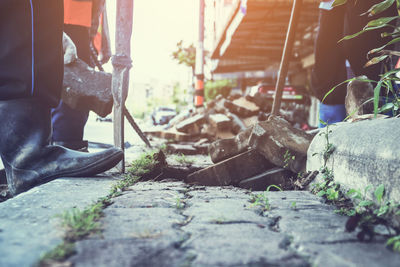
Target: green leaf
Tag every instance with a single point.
(386, 108)
(380, 7)
(382, 47)
(366, 28)
(339, 3)
(321, 193)
(366, 203)
(380, 22)
(377, 92)
(375, 60)
(379, 193)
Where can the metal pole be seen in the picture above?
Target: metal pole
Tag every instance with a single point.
(122, 63)
(199, 87)
(287, 53)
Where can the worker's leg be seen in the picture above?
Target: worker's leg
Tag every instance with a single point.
(31, 34)
(356, 49)
(330, 69)
(69, 123)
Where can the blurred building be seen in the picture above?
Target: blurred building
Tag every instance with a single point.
(249, 37)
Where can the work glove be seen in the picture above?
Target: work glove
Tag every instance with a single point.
(70, 54)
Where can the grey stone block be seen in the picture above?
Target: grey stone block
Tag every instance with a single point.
(87, 89)
(191, 125)
(226, 148)
(365, 153)
(231, 171)
(276, 138)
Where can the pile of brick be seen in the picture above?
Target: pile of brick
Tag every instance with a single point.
(248, 147)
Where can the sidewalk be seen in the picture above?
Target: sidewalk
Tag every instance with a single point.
(173, 224)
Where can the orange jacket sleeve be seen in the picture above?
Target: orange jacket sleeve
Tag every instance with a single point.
(78, 12)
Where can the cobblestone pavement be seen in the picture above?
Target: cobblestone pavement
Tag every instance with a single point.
(173, 224)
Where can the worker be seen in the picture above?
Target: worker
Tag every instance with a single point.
(31, 73)
(69, 123)
(331, 55)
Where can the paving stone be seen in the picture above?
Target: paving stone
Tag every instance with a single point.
(220, 121)
(172, 134)
(275, 176)
(250, 121)
(229, 147)
(242, 107)
(87, 89)
(181, 149)
(276, 138)
(191, 125)
(365, 153)
(28, 222)
(231, 171)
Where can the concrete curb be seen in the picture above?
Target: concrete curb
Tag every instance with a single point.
(365, 153)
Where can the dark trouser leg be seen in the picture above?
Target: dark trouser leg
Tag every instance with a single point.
(68, 123)
(356, 49)
(25, 109)
(329, 69)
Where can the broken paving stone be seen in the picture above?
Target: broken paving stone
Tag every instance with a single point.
(87, 89)
(237, 123)
(242, 107)
(250, 121)
(281, 143)
(276, 176)
(261, 100)
(220, 121)
(181, 149)
(231, 171)
(172, 134)
(191, 125)
(226, 148)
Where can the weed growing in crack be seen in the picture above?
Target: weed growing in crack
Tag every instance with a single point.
(59, 253)
(293, 205)
(179, 203)
(261, 200)
(288, 158)
(182, 159)
(79, 224)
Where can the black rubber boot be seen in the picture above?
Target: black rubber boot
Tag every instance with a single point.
(29, 160)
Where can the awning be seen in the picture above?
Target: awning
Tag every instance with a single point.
(255, 35)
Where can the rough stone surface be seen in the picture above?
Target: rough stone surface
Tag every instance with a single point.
(226, 148)
(231, 171)
(220, 122)
(191, 125)
(242, 107)
(171, 134)
(275, 176)
(181, 149)
(276, 138)
(173, 224)
(87, 89)
(28, 222)
(365, 153)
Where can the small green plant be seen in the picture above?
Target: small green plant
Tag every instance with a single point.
(182, 159)
(179, 203)
(293, 205)
(394, 243)
(288, 158)
(81, 223)
(60, 252)
(261, 200)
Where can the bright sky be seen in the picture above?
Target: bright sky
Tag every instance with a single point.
(158, 26)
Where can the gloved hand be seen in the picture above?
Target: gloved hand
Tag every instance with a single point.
(70, 54)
